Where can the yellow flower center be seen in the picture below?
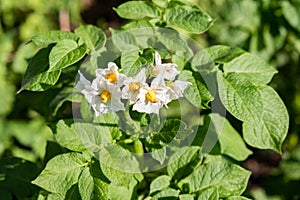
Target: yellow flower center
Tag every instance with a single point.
(151, 96)
(111, 77)
(105, 96)
(134, 86)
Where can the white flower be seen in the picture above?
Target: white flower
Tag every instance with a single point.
(152, 98)
(167, 70)
(103, 96)
(177, 88)
(111, 74)
(132, 86)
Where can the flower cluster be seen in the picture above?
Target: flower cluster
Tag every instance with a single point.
(147, 93)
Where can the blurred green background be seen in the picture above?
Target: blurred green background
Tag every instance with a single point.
(267, 28)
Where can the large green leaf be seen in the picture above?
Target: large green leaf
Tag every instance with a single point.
(231, 143)
(50, 37)
(252, 67)
(61, 172)
(92, 36)
(137, 10)
(271, 129)
(16, 174)
(240, 97)
(188, 18)
(228, 178)
(64, 54)
(168, 193)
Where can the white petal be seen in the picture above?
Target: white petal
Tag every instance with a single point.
(157, 59)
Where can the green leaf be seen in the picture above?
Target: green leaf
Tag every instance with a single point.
(237, 198)
(124, 40)
(188, 18)
(197, 93)
(160, 3)
(228, 178)
(36, 77)
(81, 136)
(291, 13)
(64, 54)
(240, 97)
(174, 42)
(159, 154)
(270, 130)
(223, 54)
(91, 187)
(73, 193)
(67, 136)
(50, 37)
(252, 67)
(169, 193)
(291, 169)
(132, 62)
(61, 172)
(186, 197)
(210, 193)
(160, 183)
(92, 36)
(231, 143)
(16, 174)
(137, 10)
(173, 129)
(181, 162)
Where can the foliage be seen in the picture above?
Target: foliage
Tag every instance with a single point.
(193, 154)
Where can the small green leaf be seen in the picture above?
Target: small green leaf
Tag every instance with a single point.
(92, 36)
(231, 143)
(197, 93)
(188, 18)
(64, 54)
(240, 97)
(36, 77)
(252, 67)
(228, 178)
(61, 172)
(51, 37)
(270, 130)
(160, 183)
(181, 160)
(137, 10)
